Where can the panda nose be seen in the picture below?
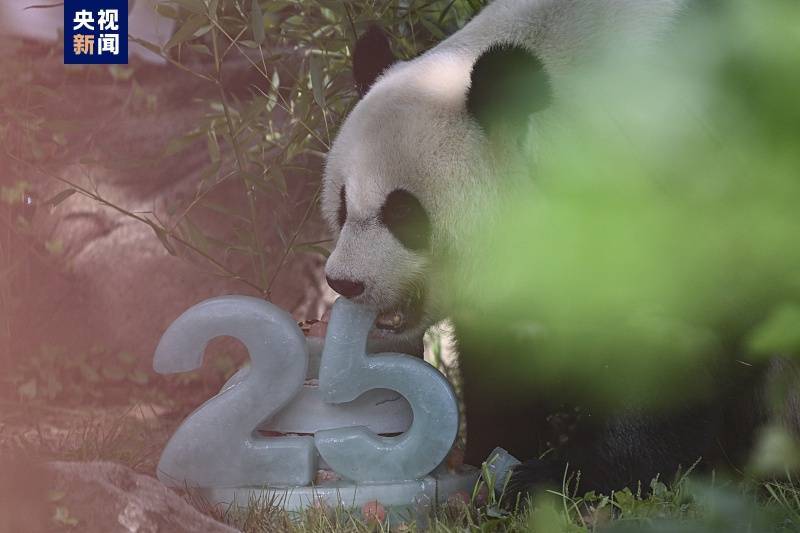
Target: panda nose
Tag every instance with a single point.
(345, 287)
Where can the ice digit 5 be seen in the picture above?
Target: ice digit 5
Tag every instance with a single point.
(217, 445)
(347, 371)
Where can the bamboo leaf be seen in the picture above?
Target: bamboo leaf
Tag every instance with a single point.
(60, 197)
(194, 6)
(210, 171)
(312, 249)
(213, 146)
(213, 5)
(317, 80)
(167, 11)
(196, 235)
(257, 22)
(181, 143)
(277, 177)
(187, 31)
(43, 6)
(221, 209)
(433, 28)
(162, 236)
(147, 44)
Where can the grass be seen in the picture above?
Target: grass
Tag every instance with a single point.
(128, 437)
(687, 506)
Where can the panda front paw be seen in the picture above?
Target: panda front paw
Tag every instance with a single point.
(531, 476)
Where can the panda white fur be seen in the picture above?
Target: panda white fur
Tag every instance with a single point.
(417, 159)
(412, 131)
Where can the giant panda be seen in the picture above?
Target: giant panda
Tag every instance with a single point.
(405, 181)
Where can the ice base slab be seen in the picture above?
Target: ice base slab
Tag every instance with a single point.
(403, 500)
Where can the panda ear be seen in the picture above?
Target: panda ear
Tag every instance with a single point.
(507, 84)
(371, 56)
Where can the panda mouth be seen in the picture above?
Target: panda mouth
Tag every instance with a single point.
(403, 317)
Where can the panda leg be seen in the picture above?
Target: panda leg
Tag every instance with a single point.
(627, 450)
(494, 415)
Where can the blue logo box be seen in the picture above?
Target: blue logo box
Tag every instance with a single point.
(95, 32)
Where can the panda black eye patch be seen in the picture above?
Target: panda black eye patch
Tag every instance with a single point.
(341, 214)
(406, 219)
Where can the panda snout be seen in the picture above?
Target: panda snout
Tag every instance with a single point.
(346, 287)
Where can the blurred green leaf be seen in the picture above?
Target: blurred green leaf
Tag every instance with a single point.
(126, 358)
(139, 377)
(776, 452)
(55, 495)
(89, 373)
(779, 334)
(60, 139)
(28, 390)
(120, 72)
(213, 146)
(14, 194)
(113, 372)
(657, 229)
(54, 246)
(179, 144)
(62, 516)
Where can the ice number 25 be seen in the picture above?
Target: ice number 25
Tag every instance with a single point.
(217, 446)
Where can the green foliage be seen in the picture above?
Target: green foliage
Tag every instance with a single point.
(688, 507)
(778, 333)
(660, 227)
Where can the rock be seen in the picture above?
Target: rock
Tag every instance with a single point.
(108, 497)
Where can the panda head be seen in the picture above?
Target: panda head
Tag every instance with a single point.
(412, 166)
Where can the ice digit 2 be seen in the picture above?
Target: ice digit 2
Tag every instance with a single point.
(217, 446)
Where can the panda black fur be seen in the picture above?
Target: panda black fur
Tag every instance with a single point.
(426, 145)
